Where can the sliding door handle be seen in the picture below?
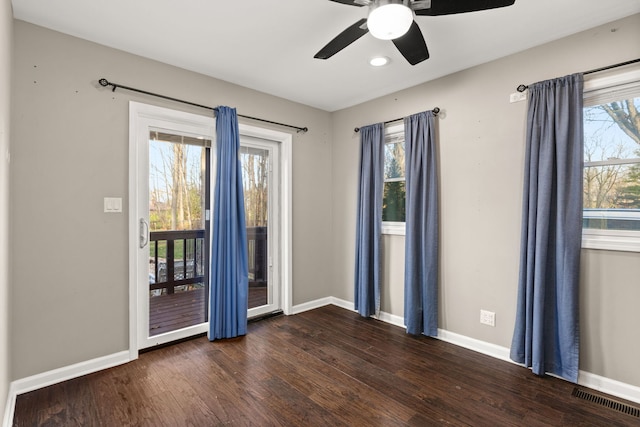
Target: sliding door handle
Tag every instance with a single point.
(144, 233)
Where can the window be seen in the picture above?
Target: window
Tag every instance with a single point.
(393, 200)
(611, 183)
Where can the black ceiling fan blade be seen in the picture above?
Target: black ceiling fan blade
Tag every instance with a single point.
(412, 45)
(349, 2)
(343, 40)
(450, 7)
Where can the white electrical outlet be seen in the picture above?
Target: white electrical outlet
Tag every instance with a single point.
(487, 317)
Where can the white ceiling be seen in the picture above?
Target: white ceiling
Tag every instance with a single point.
(268, 45)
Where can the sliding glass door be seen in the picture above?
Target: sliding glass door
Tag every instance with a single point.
(172, 164)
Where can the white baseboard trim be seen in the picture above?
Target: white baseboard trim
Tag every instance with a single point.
(483, 347)
(59, 375)
(311, 305)
(9, 410)
(347, 305)
(609, 386)
(391, 319)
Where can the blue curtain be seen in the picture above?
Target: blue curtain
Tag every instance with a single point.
(229, 271)
(421, 227)
(369, 220)
(546, 335)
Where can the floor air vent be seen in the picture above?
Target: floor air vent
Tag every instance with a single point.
(609, 403)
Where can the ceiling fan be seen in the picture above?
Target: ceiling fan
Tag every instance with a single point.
(394, 20)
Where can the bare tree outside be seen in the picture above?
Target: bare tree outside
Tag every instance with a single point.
(612, 138)
(626, 117)
(176, 175)
(255, 175)
(602, 183)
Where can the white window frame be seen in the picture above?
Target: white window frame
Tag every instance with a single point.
(393, 227)
(615, 240)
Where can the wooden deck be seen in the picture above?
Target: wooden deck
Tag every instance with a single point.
(176, 311)
(257, 296)
(182, 309)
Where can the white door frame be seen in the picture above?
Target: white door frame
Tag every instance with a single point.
(145, 115)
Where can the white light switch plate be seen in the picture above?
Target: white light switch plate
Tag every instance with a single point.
(112, 204)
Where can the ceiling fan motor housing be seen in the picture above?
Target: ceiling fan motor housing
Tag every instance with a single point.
(389, 19)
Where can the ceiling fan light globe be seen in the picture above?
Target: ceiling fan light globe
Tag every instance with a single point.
(389, 21)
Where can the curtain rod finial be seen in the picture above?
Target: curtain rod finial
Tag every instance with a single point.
(522, 88)
(104, 82)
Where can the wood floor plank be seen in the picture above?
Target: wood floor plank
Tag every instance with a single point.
(343, 395)
(375, 376)
(229, 390)
(325, 367)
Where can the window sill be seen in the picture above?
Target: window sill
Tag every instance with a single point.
(393, 228)
(611, 240)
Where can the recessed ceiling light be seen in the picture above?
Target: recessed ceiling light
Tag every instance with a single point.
(379, 61)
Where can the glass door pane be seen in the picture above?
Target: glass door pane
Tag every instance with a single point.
(255, 180)
(178, 247)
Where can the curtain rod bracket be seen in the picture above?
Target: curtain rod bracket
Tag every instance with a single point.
(104, 82)
(435, 112)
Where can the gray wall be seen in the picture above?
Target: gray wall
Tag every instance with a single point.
(481, 157)
(70, 260)
(6, 25)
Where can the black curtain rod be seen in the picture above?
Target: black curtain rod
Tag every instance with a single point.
(104, 82)
(435, 110)
(522, 88)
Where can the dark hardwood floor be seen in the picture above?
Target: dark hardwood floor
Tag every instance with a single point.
(326, 367)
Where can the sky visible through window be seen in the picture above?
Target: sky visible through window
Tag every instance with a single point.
(604, 139)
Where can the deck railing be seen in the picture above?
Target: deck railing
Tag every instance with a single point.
(177, 259)
(183, 263)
